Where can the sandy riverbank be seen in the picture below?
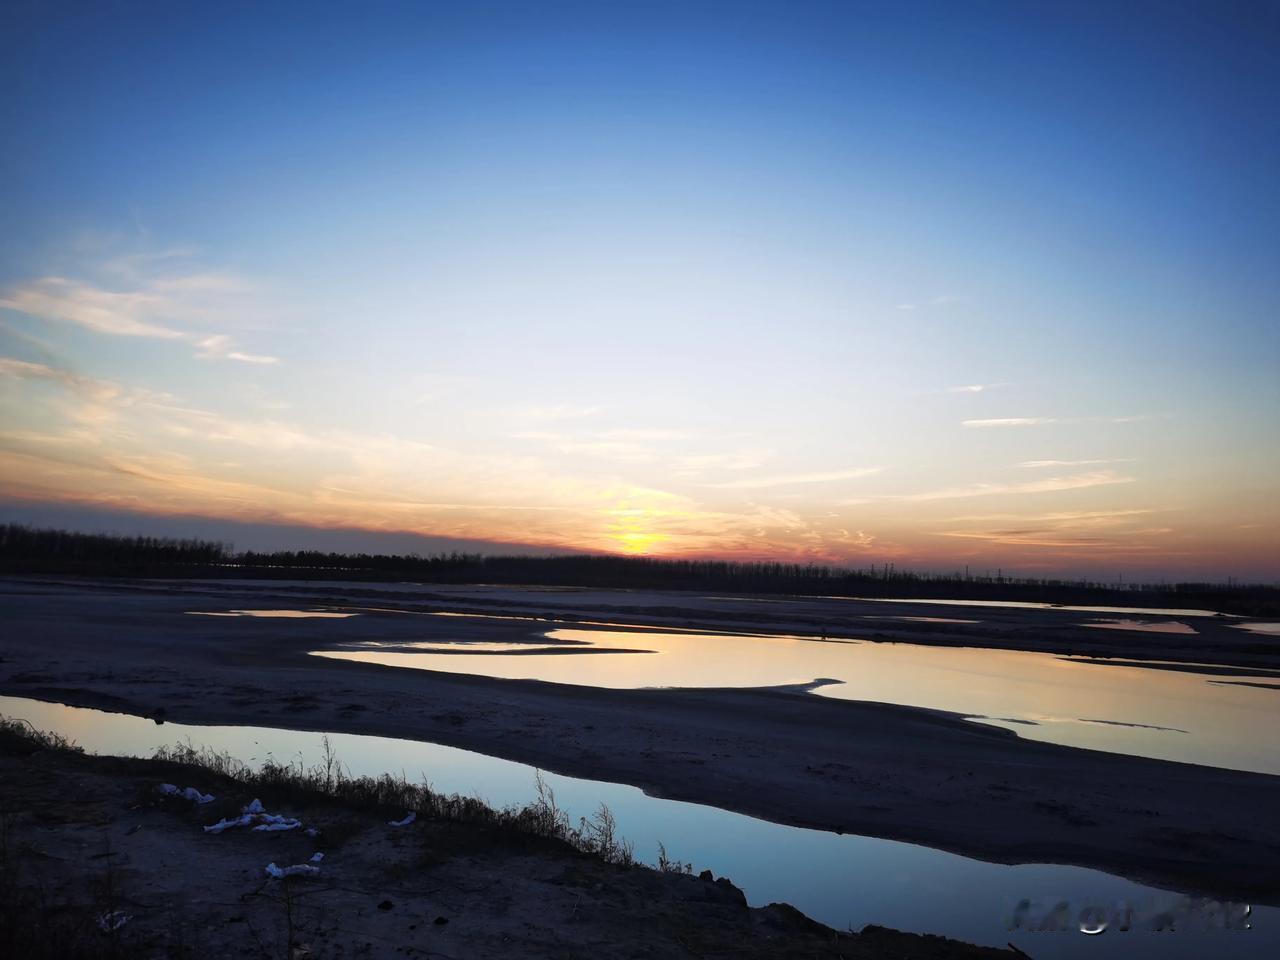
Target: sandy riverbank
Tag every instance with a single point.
(1103, 632)
(876, 769)
(89, 838)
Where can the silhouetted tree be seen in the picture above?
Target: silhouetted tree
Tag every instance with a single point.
(28, 550)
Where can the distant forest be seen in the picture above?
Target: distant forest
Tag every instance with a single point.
(27, 550)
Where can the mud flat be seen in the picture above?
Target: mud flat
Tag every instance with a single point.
(784, 755)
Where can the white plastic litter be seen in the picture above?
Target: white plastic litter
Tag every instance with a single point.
(271, 821)
(408, 819)
(254, 816)
(298, 869)
(189, 793)
(112, 921)
(224, 824)
(317, 857)
(312, 832)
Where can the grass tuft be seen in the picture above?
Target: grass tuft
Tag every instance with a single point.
(390, 794)
(331, 780)
(15, 729)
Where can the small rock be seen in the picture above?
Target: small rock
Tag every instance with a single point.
(385, 905)
(440, 921)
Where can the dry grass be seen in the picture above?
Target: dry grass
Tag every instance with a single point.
(37, 922)
(329, 780)
(21, 731)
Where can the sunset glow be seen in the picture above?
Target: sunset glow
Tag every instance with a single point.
(627, 280)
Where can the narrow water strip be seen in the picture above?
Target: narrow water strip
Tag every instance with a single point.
(844, 881)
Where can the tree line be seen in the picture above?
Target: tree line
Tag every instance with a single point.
(47, 551)
(54, 551)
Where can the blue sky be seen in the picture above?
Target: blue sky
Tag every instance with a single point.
(665, 278)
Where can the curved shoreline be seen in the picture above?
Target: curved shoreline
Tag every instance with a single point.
(457, 881)
(883, 770)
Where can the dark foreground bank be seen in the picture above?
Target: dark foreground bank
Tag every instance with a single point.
(96, 863)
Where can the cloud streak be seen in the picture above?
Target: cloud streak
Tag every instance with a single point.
(1059, 516)
(219, 347)
(790, 479)
(175, 308)
(559, 411)
(1044, 421)
(1042, 464)
(102, 311)
(153, 453)
(979, 387)
(1080, 481)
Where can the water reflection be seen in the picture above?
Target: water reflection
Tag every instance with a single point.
(274, 614)
(1143, 626)
(1032, 605)
(926, 619)
(844, 881)
(1268, 629)
(1131, 709)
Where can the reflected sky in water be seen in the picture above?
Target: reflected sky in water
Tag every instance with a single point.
(1270, 629)
(274, 614)
(1168, 714)
(1033, 605)
(842, 880)
(1141, 626)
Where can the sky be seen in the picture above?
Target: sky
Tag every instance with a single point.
(937, 284)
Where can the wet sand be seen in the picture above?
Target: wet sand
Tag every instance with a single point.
(1219, 639)
(784, 755)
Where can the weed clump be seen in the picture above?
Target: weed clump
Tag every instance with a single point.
(330, 779)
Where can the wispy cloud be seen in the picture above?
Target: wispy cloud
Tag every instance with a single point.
(219, 347)
(620, 451)
(140, 265)
(1012, 422)
(1042, 421)
(645, 434)
(1078, 481)
(979, 387)
(1041, 464)
(622, 445)
(92, 399)
(103, 311)
(541, 436)
(163, 456)
(783, 480)
(13, 367)
(644, 445)
(698, 463)
(32, 344)
(560, 411)
(1125, 530)
(1051, 538)
(179, 308)
(1059, 516)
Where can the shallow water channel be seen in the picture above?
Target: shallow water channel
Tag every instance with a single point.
(1208, 718)
(842, 880)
